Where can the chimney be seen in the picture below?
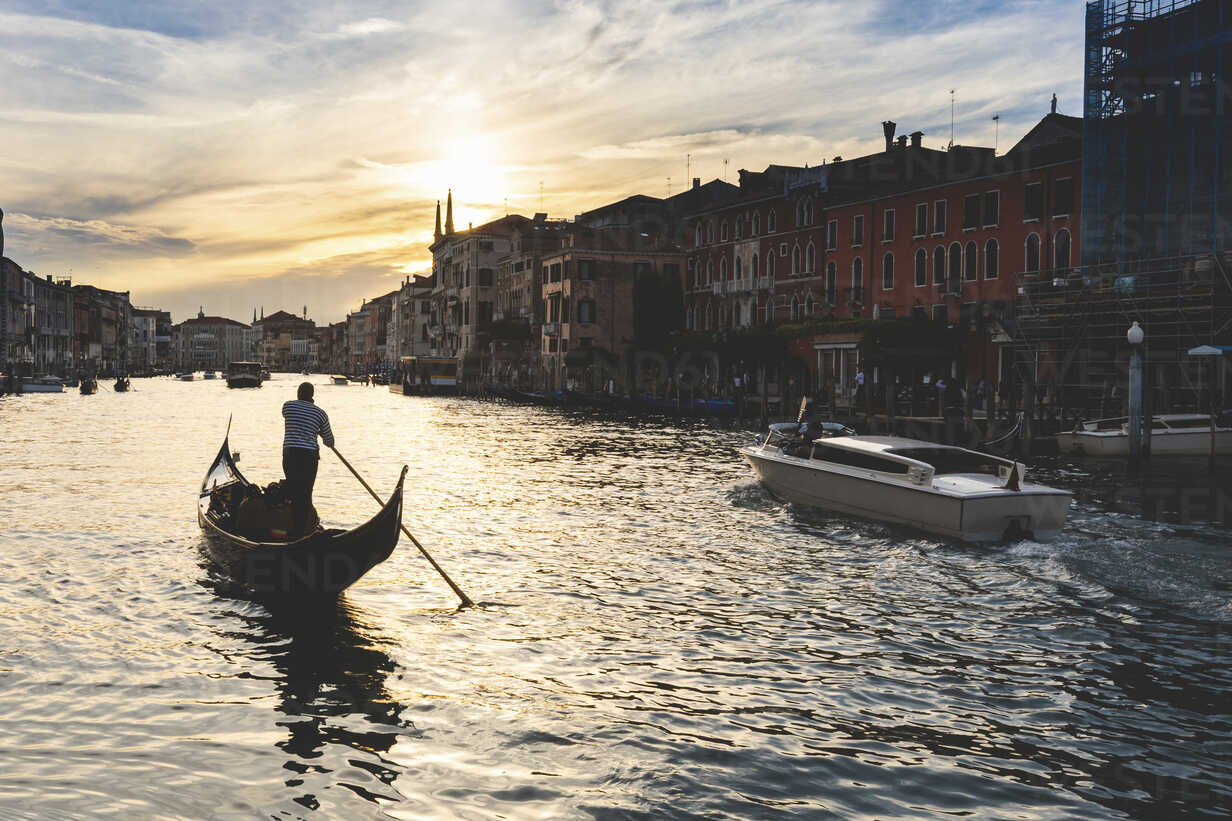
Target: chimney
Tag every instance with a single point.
(916, 137)
(902, 141)
(888, 127)
(697, 182)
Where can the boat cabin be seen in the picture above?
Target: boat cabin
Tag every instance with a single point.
(913, 460)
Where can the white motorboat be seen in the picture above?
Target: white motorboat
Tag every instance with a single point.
(1175, 434)
(42, 384)
(209, 375)
(244, 375)
(187, 376)
(339, 380)
(944, 490)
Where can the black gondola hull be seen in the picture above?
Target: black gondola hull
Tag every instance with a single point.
(323, 563)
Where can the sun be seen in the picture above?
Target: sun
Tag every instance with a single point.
(471, 170)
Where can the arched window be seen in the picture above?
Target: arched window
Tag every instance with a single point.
(709, 271)
(739, 227)
(808, 212)
(697, 235)
(736, 315)
(955, 274)
(754, 260)
(739, 274)
(709, 231)
(756, 223)
(921, 268)
(1033, 253)
(795, 309)
(939, 266)
(991, 252)
(1061, 249)
(808, 305)
(708, 316)
(810, 258)
(857, 280)
(799, 213)
(723, 231)
(831, 282)
(770, 264)
(771, 222)
(723, 269)
(795, 259)
(971, 264)
(887, 272)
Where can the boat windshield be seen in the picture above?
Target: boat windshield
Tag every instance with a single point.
(953, 460)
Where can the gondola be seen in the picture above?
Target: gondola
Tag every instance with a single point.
(323, 563)
(88, 385)
(122, 384)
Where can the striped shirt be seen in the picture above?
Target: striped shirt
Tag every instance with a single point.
(304, 421)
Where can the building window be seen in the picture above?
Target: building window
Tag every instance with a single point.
(992, 209)
(857, 230)
(709, 316)
(723, 269)
(887, 225)
(770, 264)
(739, 227)
(586, 311)
(970, 266)
(795, 260)
(756, 223)
(485, 277)
(971, 212)
(939, 217)
(887, 272)
(754, 261)
(831, 282)
(555, 269)
(857, 280)
(1063, 197)
(832, 235)
(1033, 201)
(810, 258)
(921, 268)
(1060, 246)
(723, 231)
(709, 232)
(545, 275)
(921, 219)
(1033, 254)
(939, 266)
(990, 259)
(795, 310)
(771, 222)
(739, 273)
(697, 235)
(955, 273)
(709, 271)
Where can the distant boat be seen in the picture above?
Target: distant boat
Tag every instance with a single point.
(42, 384)
(89, 385)
(244, 375)
(1174, 434)
(122, 384)
(265, 373)
(324, 562)
(339, 380)
(209, 375)
(187, 376)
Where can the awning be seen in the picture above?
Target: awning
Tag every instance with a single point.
(1210, 350)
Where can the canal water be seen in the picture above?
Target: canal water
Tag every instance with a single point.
(657, 637)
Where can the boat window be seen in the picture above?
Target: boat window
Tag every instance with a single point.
(1110, 424)
(1201, 422)
(858, 459)
(953, 460)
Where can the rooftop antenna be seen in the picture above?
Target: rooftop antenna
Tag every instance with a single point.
(725, 161)
(688, 167)
(951, 118)
(996, 131)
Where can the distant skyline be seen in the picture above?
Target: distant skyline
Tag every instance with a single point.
(234, 156)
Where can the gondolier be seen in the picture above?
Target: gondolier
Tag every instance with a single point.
(300, 453)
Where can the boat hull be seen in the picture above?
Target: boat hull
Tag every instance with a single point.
(41, 387)
(1114, 445)
(244, 380)
(1035, 511)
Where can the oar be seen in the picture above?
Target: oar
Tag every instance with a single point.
(466, 600)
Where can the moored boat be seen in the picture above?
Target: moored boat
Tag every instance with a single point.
(244, 375)
(1174, 434)
(42, 384)
(944, 490)
(324, 562)
(339, 380)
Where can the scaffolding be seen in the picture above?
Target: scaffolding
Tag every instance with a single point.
(1155, 138)
(1068, 331)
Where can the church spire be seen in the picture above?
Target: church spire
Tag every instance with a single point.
(437, 234)
(449, 213)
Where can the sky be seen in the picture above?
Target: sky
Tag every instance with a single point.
(234, 156)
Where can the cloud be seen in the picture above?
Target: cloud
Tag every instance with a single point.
(167, 146)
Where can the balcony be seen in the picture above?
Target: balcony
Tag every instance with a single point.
(716, 288)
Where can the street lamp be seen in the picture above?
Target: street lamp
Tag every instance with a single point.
(1135, 336)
